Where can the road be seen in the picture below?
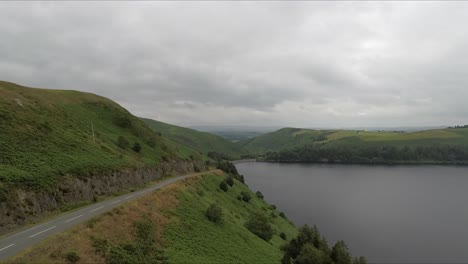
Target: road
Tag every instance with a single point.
(15, 243)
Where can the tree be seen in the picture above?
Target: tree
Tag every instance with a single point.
(136, 147)
(223, 186)
(310, 255)
(214, 213)
(230, 181)
(259, 194)
(360, 260)
(122, 142)
(340, 254)
(245, 197)
(259, 225)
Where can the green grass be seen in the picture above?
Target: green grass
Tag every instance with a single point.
(47, 134)
(290, 138)
(170, 223)
(195, 238)
(200, 141)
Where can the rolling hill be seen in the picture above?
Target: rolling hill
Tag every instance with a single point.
(202, 142)
(60, 147)
(291, 138)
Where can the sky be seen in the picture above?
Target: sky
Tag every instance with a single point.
(301, 64)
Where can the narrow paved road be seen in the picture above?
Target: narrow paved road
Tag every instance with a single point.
(13, 244)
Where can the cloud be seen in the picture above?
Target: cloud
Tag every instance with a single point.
(309, 64)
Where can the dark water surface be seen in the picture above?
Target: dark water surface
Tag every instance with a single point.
(390, 214)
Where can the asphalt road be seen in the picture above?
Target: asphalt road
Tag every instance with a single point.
(15, 243)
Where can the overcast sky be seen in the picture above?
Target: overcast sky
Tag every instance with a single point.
(303, 64)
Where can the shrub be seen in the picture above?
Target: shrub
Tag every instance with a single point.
(122, 142)
(72, 257)
(230, 181)
(123, 121)
(283, 236)
(258, 224)
(214, 213)
(223, 186)
(259, 194)
(136, 147)
(282, 215)
(245, 197)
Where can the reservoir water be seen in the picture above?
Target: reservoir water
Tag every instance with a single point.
(389, 214)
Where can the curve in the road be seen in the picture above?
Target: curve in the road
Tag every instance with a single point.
(15, 243)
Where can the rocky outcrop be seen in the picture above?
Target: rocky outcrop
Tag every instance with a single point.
(23, 206)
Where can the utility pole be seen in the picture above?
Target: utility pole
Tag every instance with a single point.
(92, 129)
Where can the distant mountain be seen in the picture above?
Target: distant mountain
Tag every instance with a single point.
(202, 142)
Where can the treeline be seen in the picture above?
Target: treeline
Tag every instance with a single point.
(373, 154)
(309, 247)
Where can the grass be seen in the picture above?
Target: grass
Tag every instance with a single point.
(290, 138)
(196, 239)
(199, 141)
(176, 214)
(47, 134)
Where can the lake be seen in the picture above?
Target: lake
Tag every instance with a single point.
(389, 214)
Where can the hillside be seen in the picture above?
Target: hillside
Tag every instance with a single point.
(202, 142)
(47, 142)
(440, 146)
(290, 138)
(172, 226)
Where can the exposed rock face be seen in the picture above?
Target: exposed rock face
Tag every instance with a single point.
(23, 206)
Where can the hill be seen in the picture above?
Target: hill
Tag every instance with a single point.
(441, 146)
(290, 138)
(202, 142)
(172, 226)
(61, 147)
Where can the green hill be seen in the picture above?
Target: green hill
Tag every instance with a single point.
(439, 146)
(171, 226)
(290, 138)
(200, 141)
(47, 134)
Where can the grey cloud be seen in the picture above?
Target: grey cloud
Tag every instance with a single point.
(306, 64)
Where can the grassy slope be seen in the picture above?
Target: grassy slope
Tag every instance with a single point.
(182, 230)
(289, 138)
(46, 134)
(199, 141)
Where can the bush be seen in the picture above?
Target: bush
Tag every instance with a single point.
(230, 181)
(214, 213)
(245, 197)
(136, 147)
(223, 186)
(259, 194)
(282, 215)
(258, 224)
(72, 257)
(122, 142)
(283, 236)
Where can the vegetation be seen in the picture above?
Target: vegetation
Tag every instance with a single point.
(214, 213)
(310, 247)
(72, 128)
(223, 186)
(446, 146)
(259, 224)
(72, 257)
(200, 141)
(374, 154)
(143, 249)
